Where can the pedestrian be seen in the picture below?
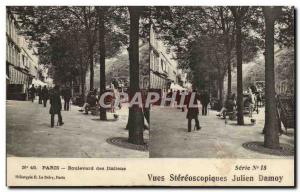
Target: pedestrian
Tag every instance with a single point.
(32, 92)
(45, 94)
(259, 99)
(67, 97)
(204, 102)
(229, 106)
(91, 102)
(183, 95)
(39, 93)
(146, 109)
(193, 110)
(169, 96)
(177, 98)
(56, 106)
(115, 98)
(250, 101)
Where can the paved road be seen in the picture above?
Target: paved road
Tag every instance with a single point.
(169, 136)
(29, 133)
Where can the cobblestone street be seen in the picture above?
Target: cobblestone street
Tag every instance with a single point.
(170, 138)
(82, 136)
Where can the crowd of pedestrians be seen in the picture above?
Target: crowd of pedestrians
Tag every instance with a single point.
(54, 96)
(229, 106)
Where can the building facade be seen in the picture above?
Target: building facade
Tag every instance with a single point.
(163, 69)
(164, 72)
(21, 62)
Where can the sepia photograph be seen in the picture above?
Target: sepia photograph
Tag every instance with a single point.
(60, 61)
(150, 95)
(240, 64)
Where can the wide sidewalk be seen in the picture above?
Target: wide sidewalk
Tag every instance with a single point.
(216, 139)
(29, 133)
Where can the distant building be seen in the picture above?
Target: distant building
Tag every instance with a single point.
(164, 72)
(163, 68)
(21, 62)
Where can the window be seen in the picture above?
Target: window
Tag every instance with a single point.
(11, 29)
(14, 32)
(7, 52)
(14, 56)
(23, 61)
(16, 36)
(11, 54)
(8, 30)
(17, 58)
(152, 61)
(7, 24)
(163, 67)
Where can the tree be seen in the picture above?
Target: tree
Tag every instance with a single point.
(205, 56)
(136, 118)
(110, 40)
(239, 13)
(78, 32)
(271, 122)
(86, 15)
(101, 30)
(51, 29)
(227, 26)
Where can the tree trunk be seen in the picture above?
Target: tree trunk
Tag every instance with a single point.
(228, 72)
(82, 78)
(136, 117)
(102, 50)
(239, 56)
(82, 70)
(271, 138)
(91, 64)
(221, 88)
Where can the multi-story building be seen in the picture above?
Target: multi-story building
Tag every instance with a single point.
(21, 62)
(163, 69)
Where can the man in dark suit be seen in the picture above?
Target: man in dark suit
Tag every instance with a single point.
(67, 96)
(193, 110)
(56, 106)
(204, 102)
(45, 95)
(39, 93)
(32, 91)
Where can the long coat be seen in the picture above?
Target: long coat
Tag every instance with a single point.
(55, 102)
(39, 91)
(192, 112)
(204, 98)
(45, 93)
(67, 94)
(32, 91)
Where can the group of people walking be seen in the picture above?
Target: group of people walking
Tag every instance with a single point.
(54, 95)
(42, 93)
(192, 106)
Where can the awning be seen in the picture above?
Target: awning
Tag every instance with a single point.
(176, 87)
(38, 82)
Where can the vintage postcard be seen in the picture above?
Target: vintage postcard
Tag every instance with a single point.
(150, 96)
